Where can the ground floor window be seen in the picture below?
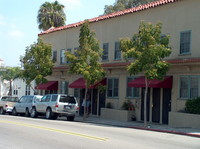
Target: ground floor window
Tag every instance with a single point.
(64, 87)
(28, 90)
(189, 87)
(131, 92)
(113, 87)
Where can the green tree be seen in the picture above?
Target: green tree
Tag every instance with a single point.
(10, 74)
(85, 61)
(120, 5)
(37, 62)
(147, 48)
(51, 15)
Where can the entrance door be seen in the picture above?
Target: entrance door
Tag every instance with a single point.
(102, 100)
(148, 104)
(94, 101)
(166, 105)
(156, 105)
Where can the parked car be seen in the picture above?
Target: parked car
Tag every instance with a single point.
(24, 105)
(7, 103)
(54, 105)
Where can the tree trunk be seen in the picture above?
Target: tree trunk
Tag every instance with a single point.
(84, 115)
(145, 102)
(10, 90)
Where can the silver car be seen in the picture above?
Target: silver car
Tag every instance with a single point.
(24, 105)
(54, 105)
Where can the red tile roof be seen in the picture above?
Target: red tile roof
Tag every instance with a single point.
(112, 15)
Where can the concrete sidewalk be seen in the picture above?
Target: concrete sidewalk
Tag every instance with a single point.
(139, 125)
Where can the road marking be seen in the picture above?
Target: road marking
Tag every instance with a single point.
(56, 130)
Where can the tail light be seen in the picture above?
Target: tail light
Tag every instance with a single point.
(56, 105)
(6, 105)
(77, 108)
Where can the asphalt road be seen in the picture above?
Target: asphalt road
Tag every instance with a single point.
(28, 133)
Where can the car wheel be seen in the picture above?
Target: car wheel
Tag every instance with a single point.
(14, 112)
(70, 118)
(48, 114)
(33, 113)
(2, 111)
(27, 114)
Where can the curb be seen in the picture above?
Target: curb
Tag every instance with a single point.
(166, 131)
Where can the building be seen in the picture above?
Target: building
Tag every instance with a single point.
(180, 21)
(19, 87)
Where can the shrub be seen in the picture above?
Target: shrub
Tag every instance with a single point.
(128, 105)
(193, 106)
(109, 105)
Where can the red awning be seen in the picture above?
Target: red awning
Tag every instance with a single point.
(80, 83)
(140, 82)
(50, 85)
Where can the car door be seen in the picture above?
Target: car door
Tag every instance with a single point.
(41, 106)
(20, 104)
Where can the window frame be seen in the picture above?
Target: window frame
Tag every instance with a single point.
(117, 51)
(184, 51)
(131, 88)
(189, 77)
(64, 87)
(54, 56)
(105, 52)
(62, 56)
(113, 88)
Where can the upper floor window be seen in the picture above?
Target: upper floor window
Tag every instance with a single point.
(54, 56)
(117, 51)
(185, 41)
(64, 87)
(131, 91)
(105, 51)
(189, 87)
(69, 50)
(62, 56)
(113, 87)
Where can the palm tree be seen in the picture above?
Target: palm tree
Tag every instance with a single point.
(10, 74)
(51, 15)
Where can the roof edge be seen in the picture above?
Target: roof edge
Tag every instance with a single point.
(112, 15)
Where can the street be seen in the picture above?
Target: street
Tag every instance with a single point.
(27, 133)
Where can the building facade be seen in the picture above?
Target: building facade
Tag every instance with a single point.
(180, 21)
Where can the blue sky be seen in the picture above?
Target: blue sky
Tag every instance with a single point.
(19, 28)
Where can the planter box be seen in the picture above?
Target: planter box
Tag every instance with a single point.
(178, 119)
(118, 115)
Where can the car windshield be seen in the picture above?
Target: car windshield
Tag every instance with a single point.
(67, 99)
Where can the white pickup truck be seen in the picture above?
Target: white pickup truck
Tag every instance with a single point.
(7, 103)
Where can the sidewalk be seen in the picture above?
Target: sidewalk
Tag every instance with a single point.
(139, 125)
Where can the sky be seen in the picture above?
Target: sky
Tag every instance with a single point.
(19, 28)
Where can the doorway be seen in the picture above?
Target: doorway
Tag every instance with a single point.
(166, 105)
(156, 105)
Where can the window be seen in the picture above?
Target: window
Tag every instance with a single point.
(27, 91)
(76, 92)
(62, 57)
(75, 51)
(69, 50)
(15, 92)
(54, 56)
(64, 87)
(105, 51)
(131, 91)
(117, 51)
(113, 87)
(189, 86)
(185, 39)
